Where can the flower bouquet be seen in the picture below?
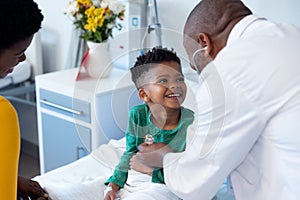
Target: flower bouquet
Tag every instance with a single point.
(96, 21)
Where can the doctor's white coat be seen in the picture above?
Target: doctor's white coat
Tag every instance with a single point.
(247, 121)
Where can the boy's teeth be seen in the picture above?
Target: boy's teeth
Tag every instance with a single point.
(174, 95)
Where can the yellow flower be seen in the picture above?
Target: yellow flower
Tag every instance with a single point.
(95, 18)
(90, 12)
(94, 12)
(99, 12)
(84, 2)
(91, 24)
(100, 21)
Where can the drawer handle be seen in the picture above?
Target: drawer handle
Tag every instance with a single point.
(44, 101)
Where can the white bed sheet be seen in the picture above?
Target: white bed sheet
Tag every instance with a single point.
(84, 179)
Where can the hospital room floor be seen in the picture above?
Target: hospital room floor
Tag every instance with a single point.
(28, 165)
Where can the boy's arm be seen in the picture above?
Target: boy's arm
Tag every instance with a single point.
(120, 174)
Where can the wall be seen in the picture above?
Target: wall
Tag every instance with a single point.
(277, 10)
(57, 28)
(55, 34)
(172, 18)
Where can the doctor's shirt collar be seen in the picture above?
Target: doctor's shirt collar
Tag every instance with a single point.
(241, 27)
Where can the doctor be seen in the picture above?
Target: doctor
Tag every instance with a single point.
(248, 108)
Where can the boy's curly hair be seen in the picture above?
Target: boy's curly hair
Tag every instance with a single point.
(156, 55)
(19, 19)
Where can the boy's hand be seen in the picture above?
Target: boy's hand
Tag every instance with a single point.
(111, 193)
(137, 165)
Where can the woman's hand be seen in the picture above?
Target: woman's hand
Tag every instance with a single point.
(137, 165)
(112, 193)
(29, 188)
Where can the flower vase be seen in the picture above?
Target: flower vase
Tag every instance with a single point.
(98, 63)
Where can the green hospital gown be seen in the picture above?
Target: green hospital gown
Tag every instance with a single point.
(140, 125)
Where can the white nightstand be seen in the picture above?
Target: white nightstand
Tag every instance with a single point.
(75, 117)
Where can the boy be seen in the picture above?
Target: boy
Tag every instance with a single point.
(160, 83)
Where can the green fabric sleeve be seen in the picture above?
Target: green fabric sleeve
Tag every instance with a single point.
(139, 125)
(120, 174)
(158, 176)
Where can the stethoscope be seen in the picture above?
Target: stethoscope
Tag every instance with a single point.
(193, 58)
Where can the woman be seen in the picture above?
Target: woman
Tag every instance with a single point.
(19, 21)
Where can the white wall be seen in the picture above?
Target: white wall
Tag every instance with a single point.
(172, 18)
(172, 15)
(55, 34)
(277, 10)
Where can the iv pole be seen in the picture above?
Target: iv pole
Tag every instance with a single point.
(153, 24)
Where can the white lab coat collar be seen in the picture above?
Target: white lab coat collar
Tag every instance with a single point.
(235, 33)
(241, 27)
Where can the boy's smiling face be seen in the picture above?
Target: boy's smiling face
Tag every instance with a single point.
(164, 84)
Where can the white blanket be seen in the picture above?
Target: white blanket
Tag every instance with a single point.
(84, 179)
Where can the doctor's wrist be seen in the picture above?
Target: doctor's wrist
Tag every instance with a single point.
(149, 172)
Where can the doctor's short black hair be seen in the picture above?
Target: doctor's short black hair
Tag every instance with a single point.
(154, 56)
(19, 19)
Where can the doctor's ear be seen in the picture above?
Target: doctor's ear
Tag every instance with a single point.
(204, 41)
(143, 95)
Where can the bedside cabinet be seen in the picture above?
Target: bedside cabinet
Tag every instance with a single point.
(75, 117)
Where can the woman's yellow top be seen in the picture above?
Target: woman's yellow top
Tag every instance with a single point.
(9, 150)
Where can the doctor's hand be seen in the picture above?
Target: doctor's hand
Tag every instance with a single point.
(137, 165)
(152, 155)
(29, 188)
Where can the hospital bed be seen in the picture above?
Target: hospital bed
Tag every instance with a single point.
(84, 178)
